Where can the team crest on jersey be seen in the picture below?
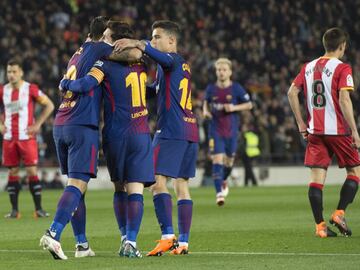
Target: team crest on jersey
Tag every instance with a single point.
(99, 63)
(68, 94)
(349, 81)
(228, 97)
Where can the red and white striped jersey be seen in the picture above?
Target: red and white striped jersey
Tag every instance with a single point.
(18, 106)
(321, 80)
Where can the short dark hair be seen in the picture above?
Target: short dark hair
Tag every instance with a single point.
(120, 30)
(169, 26)
(333, 38)
(98, 26)
(14, 62)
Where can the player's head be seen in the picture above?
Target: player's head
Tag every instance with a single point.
(14, 71)
(335, 40)
(165, 35)
(97, 27)
(117, 30)
(223, 69)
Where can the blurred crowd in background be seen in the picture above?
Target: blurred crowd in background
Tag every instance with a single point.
(267, 41)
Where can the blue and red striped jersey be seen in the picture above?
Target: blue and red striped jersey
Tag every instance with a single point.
(82, 109)
(175, 117)
(225, 124)
(125, 111)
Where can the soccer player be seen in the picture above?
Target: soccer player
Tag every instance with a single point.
(223, 102)
(330, 130)
(76, 137)
(19, 129)
(126, 135)
(176, 140)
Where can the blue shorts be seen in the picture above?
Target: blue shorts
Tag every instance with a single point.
(175, 158)
(77, 149)
(130, 159)
(221, 145)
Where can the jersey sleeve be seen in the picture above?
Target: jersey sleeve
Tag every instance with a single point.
(37, 94)
(241, 95)
(102, 50)
(98, 71)
(166, 60)
(346, 81)
(208, 94)
(300, 78)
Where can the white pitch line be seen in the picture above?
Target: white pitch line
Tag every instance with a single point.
(208, 253)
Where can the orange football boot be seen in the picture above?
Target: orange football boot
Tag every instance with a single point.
(180, 250)
(324, 231)
(338, 219)
(164, 245)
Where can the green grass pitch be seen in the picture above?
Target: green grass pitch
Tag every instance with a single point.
(258, 228)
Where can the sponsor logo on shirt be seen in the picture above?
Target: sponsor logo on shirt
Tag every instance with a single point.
(14, 106)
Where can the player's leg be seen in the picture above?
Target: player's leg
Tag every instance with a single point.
(318, 157)
(115, 155)
(184, 207)
(28, 150)
(13, 188)
(83, 152)
(229, 158)
(140, 153)
(217, 149)
(135, 210)
(77, 160)
(347, 195)
(120, 204)
(315, 195)
(168, 155)
(184, 202)
(348, 157)
(11, 159)
(228, 166)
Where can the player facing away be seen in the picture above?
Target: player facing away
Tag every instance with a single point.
(76, 138)
(176, 140)
(126, 135)
(223, 102)
(19, 128)
(330, 130)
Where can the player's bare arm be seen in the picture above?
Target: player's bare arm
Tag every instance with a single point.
(129, 55)
(125, 43)
(293, 96)
(206, 111)
(229, 107)
(347, 110)
(48, 109)
(2, 129)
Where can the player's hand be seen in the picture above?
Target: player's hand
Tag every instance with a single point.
(33, 129)
(303, 131)
(2, 129)
(63, 84)
(356, 140)
(207, 115)
(124, 43)
(229, 107)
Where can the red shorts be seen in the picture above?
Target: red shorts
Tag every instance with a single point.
(15, 150)
(321, 148)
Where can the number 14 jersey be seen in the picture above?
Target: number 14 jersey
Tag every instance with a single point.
(321, 80)
(174, 108)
